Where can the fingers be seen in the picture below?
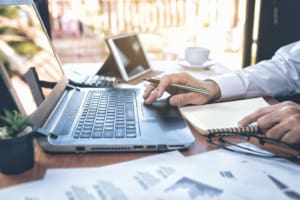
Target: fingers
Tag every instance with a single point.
(277, 131)
(288, 127)
(167, 80)
(181, 97)
(292, 137)
(253, 117)
(285, 132)
(188, 98)
(148, 96)
(154, 91)
(280, 121)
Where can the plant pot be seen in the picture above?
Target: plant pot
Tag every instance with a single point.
(17, 154)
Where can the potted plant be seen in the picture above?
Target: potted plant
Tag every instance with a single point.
(16, 143)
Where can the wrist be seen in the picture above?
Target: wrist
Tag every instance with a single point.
(214, 88)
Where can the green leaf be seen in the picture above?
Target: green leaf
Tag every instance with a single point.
(14, 122)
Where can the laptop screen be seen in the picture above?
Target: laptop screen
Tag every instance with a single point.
(24, 43)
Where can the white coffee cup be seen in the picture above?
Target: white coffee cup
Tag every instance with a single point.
(196, 55)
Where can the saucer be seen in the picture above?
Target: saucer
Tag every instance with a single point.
(205, 65)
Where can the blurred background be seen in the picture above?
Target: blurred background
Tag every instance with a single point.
(166, 27)
(238, 32)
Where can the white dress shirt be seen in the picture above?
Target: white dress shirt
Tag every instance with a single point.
(279, 76)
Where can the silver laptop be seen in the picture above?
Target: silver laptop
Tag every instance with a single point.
(83, 119)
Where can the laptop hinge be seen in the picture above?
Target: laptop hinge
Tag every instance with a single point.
(45, 132)
(72, 87)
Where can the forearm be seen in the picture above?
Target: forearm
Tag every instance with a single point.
(278, 76)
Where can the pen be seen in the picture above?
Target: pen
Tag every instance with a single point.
(201, 90)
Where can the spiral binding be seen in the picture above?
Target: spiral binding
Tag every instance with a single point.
(229, 131)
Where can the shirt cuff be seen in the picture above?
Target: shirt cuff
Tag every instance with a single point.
(230, 85)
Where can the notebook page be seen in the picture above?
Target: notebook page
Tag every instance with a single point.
(220, 115)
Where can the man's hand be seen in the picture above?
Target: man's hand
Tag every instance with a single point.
(180, 98)
(280, 121)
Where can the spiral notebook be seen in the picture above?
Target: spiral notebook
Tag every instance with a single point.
(223, 116)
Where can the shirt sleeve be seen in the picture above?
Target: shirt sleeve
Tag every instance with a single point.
(279, 76)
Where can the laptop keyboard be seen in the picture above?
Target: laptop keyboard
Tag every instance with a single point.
(98, 81)
(107, 114)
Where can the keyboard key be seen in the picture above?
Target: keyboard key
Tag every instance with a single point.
(97, 135)
(131, 135)
(120, 133)
(108, 133)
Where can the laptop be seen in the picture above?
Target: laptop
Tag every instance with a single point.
(40, 53)
(87, 119)
(31, 53)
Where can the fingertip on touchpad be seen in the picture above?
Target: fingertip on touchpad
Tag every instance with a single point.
(160, 108)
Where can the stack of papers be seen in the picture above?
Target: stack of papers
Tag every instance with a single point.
(217, 174)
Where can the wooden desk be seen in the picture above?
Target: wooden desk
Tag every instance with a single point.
(44, 161)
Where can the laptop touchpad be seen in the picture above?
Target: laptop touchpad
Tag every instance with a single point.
(160, 109)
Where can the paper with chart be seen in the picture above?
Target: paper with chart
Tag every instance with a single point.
(129, 180)
(217, 174)
(222, 174)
